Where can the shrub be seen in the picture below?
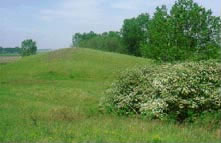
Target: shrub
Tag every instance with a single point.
(176, 91)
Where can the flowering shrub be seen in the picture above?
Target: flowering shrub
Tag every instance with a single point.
(178, 91)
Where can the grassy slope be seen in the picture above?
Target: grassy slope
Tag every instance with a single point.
(55, 96)
(8, 59)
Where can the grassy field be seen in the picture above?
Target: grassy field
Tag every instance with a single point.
(9, 54)
(55, 96)
(4, 59)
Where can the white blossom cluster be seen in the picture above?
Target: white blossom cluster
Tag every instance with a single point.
(168, 89)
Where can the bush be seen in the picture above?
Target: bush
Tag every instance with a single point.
(174, 91)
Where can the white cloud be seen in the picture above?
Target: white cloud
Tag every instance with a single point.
(126, 5)
(53, 23)
(73, 10)
(140, 4)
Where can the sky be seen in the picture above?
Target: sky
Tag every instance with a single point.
(51, 23)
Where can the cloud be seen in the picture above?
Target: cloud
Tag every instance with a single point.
(53, 22)
(139, 4)
(73, 10)
(126, 5)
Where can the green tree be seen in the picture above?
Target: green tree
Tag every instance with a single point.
(28, 47)
(159, 37)
(107, 41)
(9, 50)
(134, 32)
(78, 37)
(189, 31)
(194, 28)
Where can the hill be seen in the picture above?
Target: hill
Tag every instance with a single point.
(55, 97)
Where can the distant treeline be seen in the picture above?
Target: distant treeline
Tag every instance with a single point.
(187, 31)
(9, 50)
(107, 41)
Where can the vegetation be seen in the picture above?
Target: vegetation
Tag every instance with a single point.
(17, 51)
(134, 32)
(187, 32)
(55, 96)
(28, 47)
(4, 59)
(175, 92)
(56, 100)
(10, 51)
(107, 41)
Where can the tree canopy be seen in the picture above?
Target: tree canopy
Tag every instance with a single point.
(28, 47)
(187, 31)
(9, 50)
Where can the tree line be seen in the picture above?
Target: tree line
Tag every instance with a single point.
(10, 50)
(28, 47)
(186, 31)
(107, 41)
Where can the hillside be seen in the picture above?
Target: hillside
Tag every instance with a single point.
(55, 97)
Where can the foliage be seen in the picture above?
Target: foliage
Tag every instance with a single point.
(177, 91)
(28, 47)
(189, 31)
(134, 31)
(194, 27)
(78, 37)
(210, 119)
(107, 41)
(10, 50)
(43, 103)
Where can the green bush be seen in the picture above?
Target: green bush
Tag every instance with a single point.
(175, 91)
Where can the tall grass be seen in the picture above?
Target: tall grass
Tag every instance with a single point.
(54, 97)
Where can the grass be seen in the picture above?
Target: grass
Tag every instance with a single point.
(9, 54)
(4, 59)
(55, 96)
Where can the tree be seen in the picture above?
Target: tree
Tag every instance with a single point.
(194, 27)
(10, 50)
(107, 41)
(159, 28)
(78, 37)
(28, 47)
(134, 32)
(188, 31)
(1, 49)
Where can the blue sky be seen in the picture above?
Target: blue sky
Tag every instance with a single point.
(53, 22)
